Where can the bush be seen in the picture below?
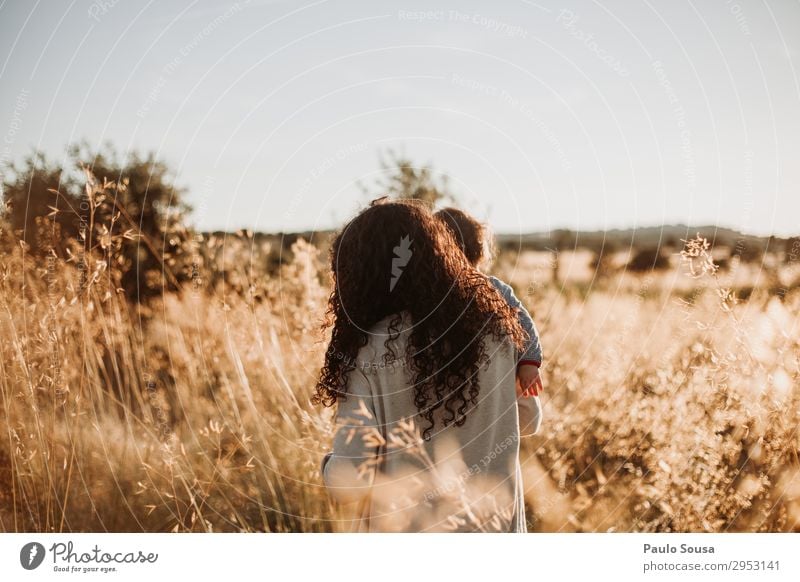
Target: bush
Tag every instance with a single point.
(648, 259)
(128, 209)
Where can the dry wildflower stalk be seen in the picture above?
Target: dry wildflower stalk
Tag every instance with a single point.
(697, 256)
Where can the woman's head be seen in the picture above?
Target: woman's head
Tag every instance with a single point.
(469, 234)
(395, 258)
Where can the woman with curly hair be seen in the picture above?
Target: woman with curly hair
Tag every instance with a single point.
(421, 367)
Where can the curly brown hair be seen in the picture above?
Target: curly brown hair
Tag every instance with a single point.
(452, 307)
(470, 235)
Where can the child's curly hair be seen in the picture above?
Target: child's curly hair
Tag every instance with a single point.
(452, 307)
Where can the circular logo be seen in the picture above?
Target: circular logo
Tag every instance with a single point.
(31, 555)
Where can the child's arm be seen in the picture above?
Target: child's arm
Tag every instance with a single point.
(533, 347)
(530, 360)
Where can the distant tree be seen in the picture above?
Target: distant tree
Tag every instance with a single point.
(648, 259)
(402, 179)
(564, 239)
(151, 209)
(100, 198)
(37, 188)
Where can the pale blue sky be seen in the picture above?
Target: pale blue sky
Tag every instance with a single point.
(581, 114)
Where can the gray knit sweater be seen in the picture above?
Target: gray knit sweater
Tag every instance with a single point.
(465, 478)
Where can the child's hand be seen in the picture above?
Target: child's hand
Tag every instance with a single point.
(529, 381)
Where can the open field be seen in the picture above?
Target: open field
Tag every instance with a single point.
(670, 404)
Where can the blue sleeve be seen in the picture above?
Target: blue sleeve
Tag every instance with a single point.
(533, 347)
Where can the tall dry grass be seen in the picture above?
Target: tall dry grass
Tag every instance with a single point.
(668, 410)
(189, 415)
(664, 411)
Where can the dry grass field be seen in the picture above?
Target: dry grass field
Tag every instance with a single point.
(670, 405)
